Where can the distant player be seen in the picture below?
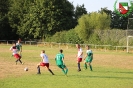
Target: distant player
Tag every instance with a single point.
(89, 57)
(60, 62)
(19, 46)
(79, 56)
(15, 53)
(44, 63)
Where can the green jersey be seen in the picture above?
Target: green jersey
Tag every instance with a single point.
(89, 53)
(59, 59)
(89, 57)
(18, 45)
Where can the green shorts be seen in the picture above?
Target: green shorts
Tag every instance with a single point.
(61, 66)
(88, 59)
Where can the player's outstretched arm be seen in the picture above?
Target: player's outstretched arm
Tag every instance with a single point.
(10, 49)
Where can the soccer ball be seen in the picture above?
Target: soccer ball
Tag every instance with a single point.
(25, 69)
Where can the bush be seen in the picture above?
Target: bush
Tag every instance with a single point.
(65, 37)
(72, 37)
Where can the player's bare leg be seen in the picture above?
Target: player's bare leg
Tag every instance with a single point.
(16, 61)
(20, 61)
(50, 70)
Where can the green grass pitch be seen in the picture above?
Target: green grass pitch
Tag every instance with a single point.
(110, 69)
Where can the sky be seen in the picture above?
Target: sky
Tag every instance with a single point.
(95, 5)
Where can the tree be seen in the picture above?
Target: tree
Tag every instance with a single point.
(87, 23)
(17, 10)
(5, 29)
(83, 29)
(105, 10)
(59, 15)
(130, 19)
(118, 22)
(72, 37)
(33, 23)
(39, 18)
(79, 11)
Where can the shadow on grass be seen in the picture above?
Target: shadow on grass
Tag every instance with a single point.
(97, 74)
(107, 74)
(107, 77)
(120, 72)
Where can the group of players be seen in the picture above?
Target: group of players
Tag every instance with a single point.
(17, 49)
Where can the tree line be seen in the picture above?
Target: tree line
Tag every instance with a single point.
(51, 20)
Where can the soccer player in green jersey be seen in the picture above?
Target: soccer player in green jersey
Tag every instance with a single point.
(60, 62)
(19, 46)
(89, 57)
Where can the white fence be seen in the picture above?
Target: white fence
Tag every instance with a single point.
(69, 45)
(12, 41)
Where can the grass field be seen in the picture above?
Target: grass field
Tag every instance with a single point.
(110, 70)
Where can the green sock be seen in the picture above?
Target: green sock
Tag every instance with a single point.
(85, 65)
(63, 71)
(66, 71)
(90, 67)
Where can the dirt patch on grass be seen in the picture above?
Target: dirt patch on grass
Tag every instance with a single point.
(10, 69)
(117, 61)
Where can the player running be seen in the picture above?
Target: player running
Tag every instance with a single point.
(79, 56)
(60, 62)
(89, 57)
(15, 53)
(44, 62)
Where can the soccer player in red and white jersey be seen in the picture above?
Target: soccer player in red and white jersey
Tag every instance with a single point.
(79, 56)
(44, 62)
(15, 53)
